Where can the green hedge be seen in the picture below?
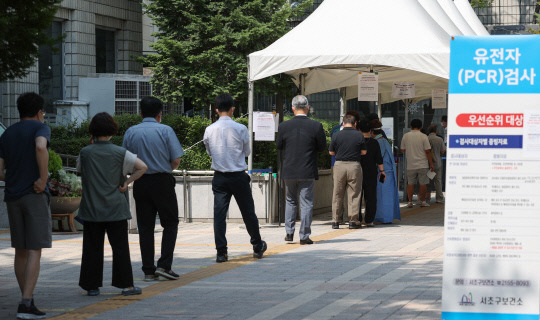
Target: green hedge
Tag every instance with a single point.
(71, 139)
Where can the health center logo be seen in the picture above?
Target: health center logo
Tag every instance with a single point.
(466, 300)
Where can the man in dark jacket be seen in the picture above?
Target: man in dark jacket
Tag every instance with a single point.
(300, 139)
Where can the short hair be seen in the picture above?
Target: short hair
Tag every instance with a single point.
(372, 116)
(29, 104)
(355, 114)
(224, 102)
(364, 125)
(151, 107)
(432, 128)
(300, 102)
(103, 125)
(416, 124)
(349, 119)
(444, 119)
(376, 124)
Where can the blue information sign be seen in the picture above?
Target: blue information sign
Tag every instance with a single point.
(495, 64)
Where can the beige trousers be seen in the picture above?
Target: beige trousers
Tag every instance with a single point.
(347, 176)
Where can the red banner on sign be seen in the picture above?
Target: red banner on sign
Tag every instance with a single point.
(490, 120)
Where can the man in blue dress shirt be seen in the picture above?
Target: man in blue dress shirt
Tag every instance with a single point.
(227, 142)
(157, 146)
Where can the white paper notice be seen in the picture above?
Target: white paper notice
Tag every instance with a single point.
(388, 127)
(438, 99)
(264, 126)
(368, 87)
(531, 133)
(403, 90)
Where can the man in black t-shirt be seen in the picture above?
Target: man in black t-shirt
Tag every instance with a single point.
(348, 146)
(24, 155)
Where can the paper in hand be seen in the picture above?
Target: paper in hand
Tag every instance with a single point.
(431, 174)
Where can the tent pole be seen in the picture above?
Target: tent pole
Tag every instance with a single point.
(379, 105)
(342, 103)
(250, 124)
(302, 88)
(406, 113)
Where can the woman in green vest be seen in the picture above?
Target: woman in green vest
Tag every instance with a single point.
(104, 206)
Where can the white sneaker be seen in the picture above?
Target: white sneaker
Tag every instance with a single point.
(424, 204)
(409, 205)
(440, 201)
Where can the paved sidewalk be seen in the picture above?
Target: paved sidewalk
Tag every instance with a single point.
(387, 272)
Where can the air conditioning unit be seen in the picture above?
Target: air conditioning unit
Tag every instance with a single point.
(114, 93)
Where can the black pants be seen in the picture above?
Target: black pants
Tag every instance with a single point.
(369, 185)
(91, 276)
(225, 185)
(154, 194)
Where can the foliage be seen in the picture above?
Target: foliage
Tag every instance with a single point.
(68, 185)
(202, 46)
(189, 131)
(537, 30)
(62, 183)
(481, 3)
(55, 165)
(23, 27)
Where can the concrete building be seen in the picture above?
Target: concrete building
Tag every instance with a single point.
(101, 36)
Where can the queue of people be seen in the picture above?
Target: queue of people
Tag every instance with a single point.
(364, 167)
(364, 164)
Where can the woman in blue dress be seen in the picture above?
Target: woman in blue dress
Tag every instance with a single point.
(387, 193)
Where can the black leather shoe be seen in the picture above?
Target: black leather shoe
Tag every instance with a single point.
(93, 292)
(354, 225)
(306, 241)
(260, 250)
(222, 258)
(289, 237)
(335, 225)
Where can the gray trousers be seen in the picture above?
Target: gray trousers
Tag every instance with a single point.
(299, 191)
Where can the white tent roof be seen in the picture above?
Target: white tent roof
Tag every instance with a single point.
(470, 16)
(454, 14)
(434, 9)
(396, 38)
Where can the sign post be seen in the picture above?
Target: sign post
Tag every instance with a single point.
(492, 213)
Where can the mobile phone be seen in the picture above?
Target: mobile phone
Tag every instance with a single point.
(381, 178)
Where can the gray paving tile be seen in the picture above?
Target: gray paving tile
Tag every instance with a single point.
(386, 272)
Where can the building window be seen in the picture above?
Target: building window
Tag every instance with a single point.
(51, 84)
(105, 51)
(128, 95)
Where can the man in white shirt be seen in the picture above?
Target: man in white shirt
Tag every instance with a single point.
(417, 150)
(227, 142)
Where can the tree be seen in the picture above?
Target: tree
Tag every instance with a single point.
(481, 3)
(537, 15)
(203, 45)
(23, 26)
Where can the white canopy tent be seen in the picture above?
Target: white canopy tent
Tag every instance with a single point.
(470, 16)
(399, 39)
(454, 14)
(343, 37)
(439, 15)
